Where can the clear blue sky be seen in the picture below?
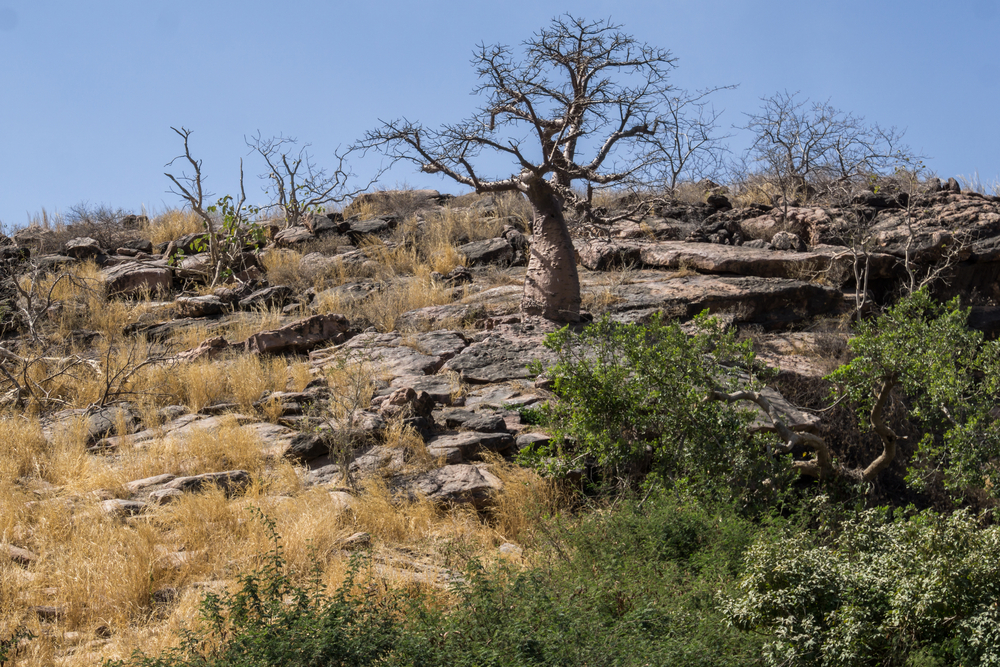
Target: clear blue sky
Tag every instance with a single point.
(89, 89)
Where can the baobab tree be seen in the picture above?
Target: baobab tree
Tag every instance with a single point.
(584, 104)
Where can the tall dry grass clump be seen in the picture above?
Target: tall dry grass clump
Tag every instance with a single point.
(172, 224)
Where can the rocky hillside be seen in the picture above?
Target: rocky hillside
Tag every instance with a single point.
(378, 346)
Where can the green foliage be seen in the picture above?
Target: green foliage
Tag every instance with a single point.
(8, 647)
(921, 590)
(633, 397)
(271, 620)
(950, 379)
(236, 236)
(634, 586)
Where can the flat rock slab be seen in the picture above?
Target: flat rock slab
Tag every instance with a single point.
(495, 302)
(772, 302)
(374, 226)
(473, 421)
(501, 356)
(452, 314)
(470, 443)
(719, 258)
(145, 483)
(229, 481)
(441, 343)
(455, 484)
(395, 355)
(512, 394)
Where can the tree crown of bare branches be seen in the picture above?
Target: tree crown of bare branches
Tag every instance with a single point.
(581, 89)
(798, 141)
(297, 185)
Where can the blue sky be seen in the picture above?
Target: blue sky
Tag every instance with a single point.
(89, 89)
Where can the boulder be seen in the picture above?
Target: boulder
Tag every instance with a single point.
(440, 388)
(788, 241)
(456, 484)
(140, 245)
(209, 349)
(490, 251)
(275, 296)
(469, 443)
(601, 255)
(17, 555)
(404, 402)
(199, 306)
(82, 248)
(374, 227)
(135, 278)
(323, 225)
(293, 236)
(229, 481)
(119, 507)
(301, 336)
(197, 267)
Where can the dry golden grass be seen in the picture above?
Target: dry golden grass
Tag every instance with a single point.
(245, 324)
(102, 570)
(240, 378)
(384, 306)
(172, 224)
(755, 190)
(282, 268)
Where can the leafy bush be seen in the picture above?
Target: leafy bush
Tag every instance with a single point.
(635, 586)
(949, 378)
(921, 590)
(633, 397)
(271, 620)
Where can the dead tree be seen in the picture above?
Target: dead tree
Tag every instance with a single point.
(807, 149)
(585, 103)
(692, 149)
(191, 189)
(296, 185)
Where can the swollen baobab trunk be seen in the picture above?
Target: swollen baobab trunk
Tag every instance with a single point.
(552, 284)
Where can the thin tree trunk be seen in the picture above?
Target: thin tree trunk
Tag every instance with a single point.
(552, 284)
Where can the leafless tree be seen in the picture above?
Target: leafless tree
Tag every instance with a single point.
(226, 249)
(808, 147)
(297, 186)
(586, 103)
(692, 149)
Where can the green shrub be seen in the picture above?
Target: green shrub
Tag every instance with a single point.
(633, 397)
(633, 586)
(270, 620)
(919, 590)
(948, 379)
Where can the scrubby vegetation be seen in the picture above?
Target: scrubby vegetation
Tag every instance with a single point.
(308, 433)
